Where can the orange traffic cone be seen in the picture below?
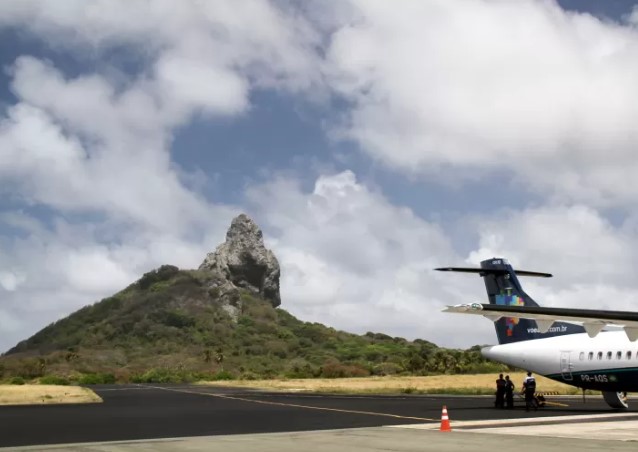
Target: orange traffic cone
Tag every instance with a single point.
(445, 421)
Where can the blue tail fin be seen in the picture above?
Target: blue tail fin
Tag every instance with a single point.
(503, 288)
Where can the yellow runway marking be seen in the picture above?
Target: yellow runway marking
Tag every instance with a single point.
(308, 407)
(556, 404)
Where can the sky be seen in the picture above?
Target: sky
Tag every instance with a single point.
(372, 141)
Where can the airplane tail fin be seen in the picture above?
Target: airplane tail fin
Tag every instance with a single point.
(503, 288)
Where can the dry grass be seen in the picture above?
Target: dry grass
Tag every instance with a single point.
(473, 384)
(41, 394)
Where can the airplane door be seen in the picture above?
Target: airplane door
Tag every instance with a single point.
(565, 366)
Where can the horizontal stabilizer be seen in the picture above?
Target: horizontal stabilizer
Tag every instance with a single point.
(484, 271)
(593, 320)
(503, 287)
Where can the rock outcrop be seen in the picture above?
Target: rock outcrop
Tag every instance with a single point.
(243, 261)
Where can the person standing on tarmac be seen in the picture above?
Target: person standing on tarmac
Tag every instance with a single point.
(529, 387)
(509, 392)
(500, 392)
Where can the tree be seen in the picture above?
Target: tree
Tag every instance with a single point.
(42, 364)
(219, 357)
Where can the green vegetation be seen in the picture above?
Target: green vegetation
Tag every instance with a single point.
(170, 326)
(53, 380)
(96, 379)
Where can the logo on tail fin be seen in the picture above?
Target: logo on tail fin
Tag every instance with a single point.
(510, 300)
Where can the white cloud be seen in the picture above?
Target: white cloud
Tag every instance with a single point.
(574, 238)
(94, 148)
(464, 87)
(592, 261)
(49, 272)
(352, 260)
(10, 281)
(516, 85)
(270, 45)
(192, 84)
(100, 143)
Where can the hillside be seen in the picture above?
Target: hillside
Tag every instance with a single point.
(170, 325)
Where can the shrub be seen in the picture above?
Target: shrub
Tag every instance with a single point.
(338, 370)
(176, 318)
(164, 273)
(245, 321)
(387, 369)
(223, 375)
(16, 381)
(249, 376)
(30, 368)
(53, 380)
(161, 376)
(96, 379)
(300, 368)
(122, 375)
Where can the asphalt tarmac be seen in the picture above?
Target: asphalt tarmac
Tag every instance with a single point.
(169, 411)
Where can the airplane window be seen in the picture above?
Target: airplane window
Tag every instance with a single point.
(619, 355)
(600, 355)
(609, 355)
(581, 356)
(629, 355)
(590, 356)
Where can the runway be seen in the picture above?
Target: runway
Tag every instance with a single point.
(136, 412)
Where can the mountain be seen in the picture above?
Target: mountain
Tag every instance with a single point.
(219, 321)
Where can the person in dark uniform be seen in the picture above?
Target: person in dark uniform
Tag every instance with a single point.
(529, 388)
(500, 392)
(509, 392)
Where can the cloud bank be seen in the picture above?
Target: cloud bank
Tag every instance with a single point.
(521, 86)
(438, 91)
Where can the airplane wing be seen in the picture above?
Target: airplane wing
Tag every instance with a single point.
(593, 320)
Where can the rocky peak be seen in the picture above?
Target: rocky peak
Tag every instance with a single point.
(244, 229)
(243, 261)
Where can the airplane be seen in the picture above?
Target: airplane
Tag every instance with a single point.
(566, 345)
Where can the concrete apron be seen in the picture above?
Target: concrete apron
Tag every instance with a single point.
(587, 433)
(605, 427)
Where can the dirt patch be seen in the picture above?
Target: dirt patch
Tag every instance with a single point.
(461, 384)
(45, 394)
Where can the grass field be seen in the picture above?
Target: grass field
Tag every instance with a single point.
(439, 384)
(45, 394)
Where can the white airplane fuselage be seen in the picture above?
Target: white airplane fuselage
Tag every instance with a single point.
(564, 344)
(606, 362)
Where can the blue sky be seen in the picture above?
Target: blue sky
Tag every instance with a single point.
(371, 142)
